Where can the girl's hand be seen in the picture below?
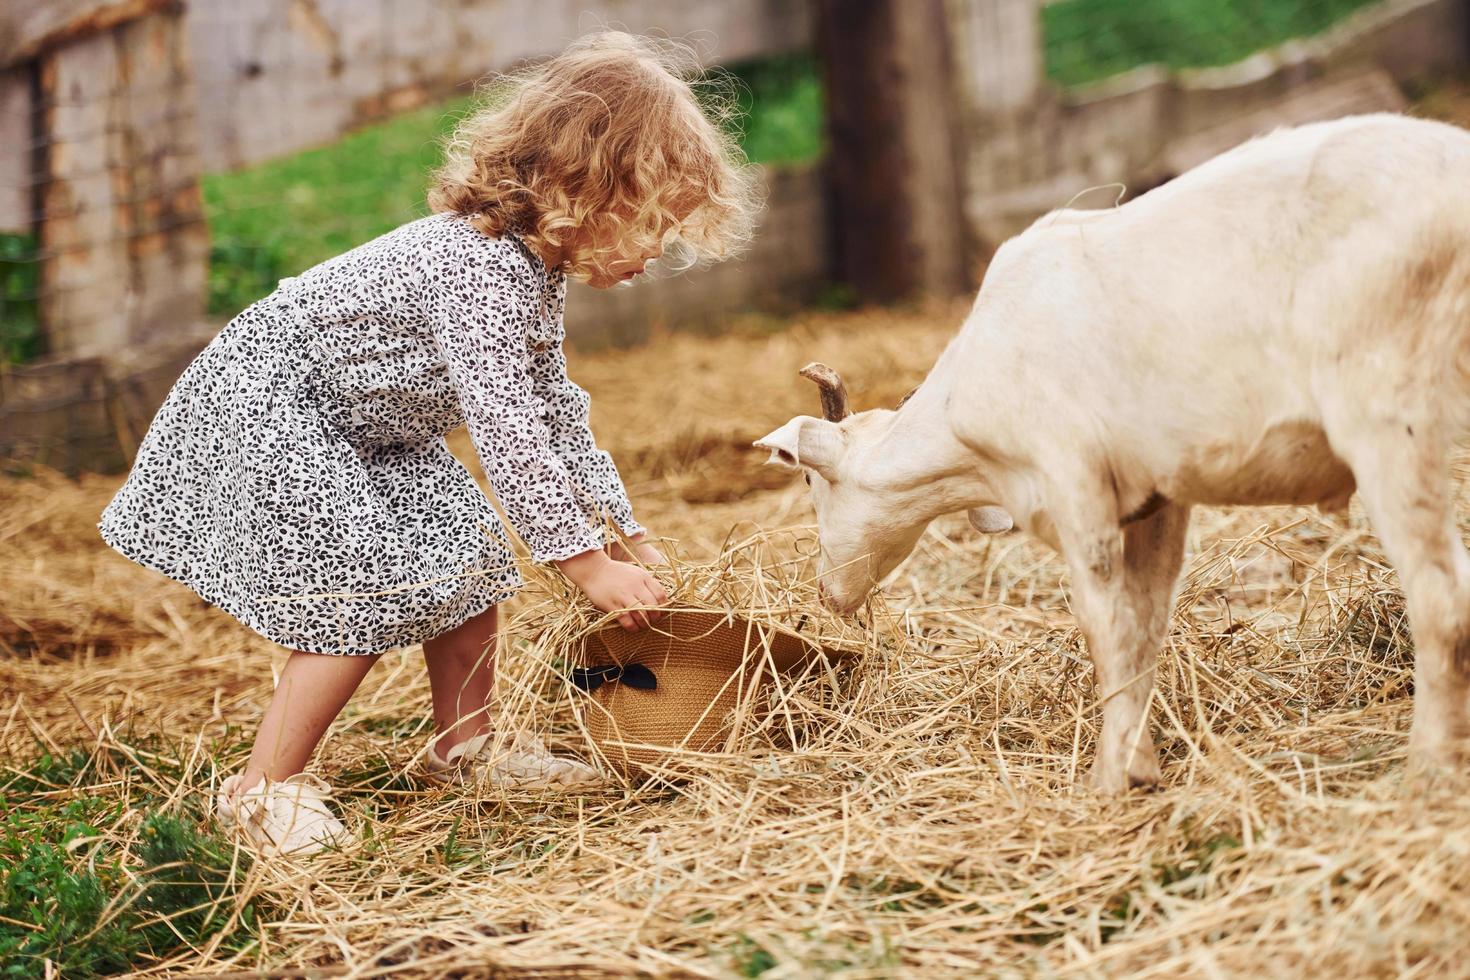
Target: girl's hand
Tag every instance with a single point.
(642, 551)
(615, 586)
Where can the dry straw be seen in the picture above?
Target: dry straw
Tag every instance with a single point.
(740, 635)
(912, 812)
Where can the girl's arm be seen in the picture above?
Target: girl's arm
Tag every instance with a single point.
(481, 304)
(567, 406)
(479, 308)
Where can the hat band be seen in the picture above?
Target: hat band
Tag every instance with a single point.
(589, 679)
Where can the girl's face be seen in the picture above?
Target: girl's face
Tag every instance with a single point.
(627, 260)
(624, 266)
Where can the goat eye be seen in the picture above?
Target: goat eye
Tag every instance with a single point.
(808, 478)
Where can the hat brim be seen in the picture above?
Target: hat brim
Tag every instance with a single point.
(709, 674)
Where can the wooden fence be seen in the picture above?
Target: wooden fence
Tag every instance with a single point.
(946, 138)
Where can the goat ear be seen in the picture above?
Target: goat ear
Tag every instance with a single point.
(990, 520)
(805, 442)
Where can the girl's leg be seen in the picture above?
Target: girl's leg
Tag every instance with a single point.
(461, 666)
(312, 691)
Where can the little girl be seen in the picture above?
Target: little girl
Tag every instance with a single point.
(297, 475)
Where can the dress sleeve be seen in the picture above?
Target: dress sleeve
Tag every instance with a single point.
(567, 407)
(481, 304)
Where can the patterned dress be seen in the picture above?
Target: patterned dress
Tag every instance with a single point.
(297, 474)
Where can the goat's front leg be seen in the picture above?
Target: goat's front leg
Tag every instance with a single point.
(1123, 594)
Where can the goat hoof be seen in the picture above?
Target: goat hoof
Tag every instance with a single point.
(1434, 749)
(1143, 773)
(1434, 759)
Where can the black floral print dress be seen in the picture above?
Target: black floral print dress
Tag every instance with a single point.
(297, 474)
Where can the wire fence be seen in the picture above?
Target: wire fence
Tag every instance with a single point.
(301, 130)
(70, 151)
(159, 174)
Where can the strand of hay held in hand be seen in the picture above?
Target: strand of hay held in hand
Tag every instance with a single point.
(723, 671)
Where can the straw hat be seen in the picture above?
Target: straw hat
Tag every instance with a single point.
(687, 684)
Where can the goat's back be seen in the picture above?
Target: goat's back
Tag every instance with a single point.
(1264, 246)
(1226, 304)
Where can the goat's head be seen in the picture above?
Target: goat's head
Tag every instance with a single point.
(872, 504)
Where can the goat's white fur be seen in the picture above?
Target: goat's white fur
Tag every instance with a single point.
(1284, 324)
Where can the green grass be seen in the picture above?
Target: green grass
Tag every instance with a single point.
(1087, 40)
(276, 219)
(1188, 873)
(750, 958)
(96, 887)
(20, 330)
(780, 106)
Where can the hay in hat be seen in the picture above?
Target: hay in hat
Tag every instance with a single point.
(739, 632)
(912, 811)
(687, 684)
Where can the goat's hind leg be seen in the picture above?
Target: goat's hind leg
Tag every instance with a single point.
(1404, 481)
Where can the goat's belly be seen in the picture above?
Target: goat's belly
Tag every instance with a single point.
(1291, 463)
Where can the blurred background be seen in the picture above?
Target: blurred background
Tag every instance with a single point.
(163, 163)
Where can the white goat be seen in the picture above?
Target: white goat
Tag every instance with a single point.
(1286, 323)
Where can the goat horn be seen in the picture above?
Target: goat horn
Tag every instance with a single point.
(834, 392)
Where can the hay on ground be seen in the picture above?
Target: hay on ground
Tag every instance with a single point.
(914, 812)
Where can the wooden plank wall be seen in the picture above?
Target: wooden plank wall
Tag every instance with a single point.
(101, 163)
(1029, 147)
(123, 245)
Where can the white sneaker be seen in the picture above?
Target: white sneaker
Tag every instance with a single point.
(519, 762)
(286, 817)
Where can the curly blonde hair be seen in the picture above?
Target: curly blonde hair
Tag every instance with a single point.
(604, 148)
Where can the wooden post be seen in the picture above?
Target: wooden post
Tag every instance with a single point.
(115, 164)
(100, 149)
(894, 160)
(122, 235)
(998, 54)
(17, 202)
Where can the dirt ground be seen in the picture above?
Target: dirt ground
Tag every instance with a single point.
(918, 816)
